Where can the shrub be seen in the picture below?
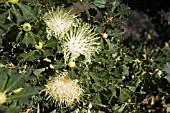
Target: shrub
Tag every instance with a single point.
(38, 41)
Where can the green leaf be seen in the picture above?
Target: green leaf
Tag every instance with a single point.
(3, 80)
(47, 52)
(94, 77)
(117, 33)
(167, 70)
(32, 38)
(14, 80)
(3, 18)
(59, 65)
(29, 38)
(18, 15)
(118, 109)
(124, 95)
(28, 56)
(51, 43)
(113, 90)
(1, 32)
(25, 94)
(132, 88)
(19, 36)
(26, 40)
(100, 3)
(38, 72)
(73, 74)
(125, 70)
(167, 78)
(26, 11)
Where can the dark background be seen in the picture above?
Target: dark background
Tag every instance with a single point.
(148, 22)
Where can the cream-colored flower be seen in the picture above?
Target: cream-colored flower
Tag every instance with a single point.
(80, 40)
(58, 21)
(63, 90)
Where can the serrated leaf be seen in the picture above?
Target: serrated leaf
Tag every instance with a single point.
(73, 74)
(25, 94)
(94, 77)
(29, 38)
(35, 10)
(124, 95)
(132, 88)
(28, 56)
(26, 40)
(26, 11)
(167, 78)
(38, 72)
(116, 33)
(59, 65)
(1, 32)
(113, 90)
(47, 52)
(18, 15)
(120, 110)
(51, 43)
(19, 36)
(14, 81)
(100, 3)
(125, 70)
(32, 38)
(167, 70)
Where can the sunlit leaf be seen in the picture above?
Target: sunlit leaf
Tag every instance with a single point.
(38, 72)
(100, 3)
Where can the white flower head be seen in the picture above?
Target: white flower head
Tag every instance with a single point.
(63, 90)
(58, 21)
(80, 40)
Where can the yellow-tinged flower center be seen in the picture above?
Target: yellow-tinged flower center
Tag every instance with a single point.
(63, 90)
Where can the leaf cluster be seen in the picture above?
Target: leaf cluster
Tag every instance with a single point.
(119, 79)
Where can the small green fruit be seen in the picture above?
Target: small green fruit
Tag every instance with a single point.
(26, 27)
(13, 1)
(2, 98)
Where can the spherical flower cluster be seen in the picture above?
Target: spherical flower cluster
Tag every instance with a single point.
(58, 21)
(63, 90)
(80, 40)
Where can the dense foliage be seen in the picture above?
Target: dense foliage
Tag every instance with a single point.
(76, 61)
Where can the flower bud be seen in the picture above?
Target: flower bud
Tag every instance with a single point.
(104, 35)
